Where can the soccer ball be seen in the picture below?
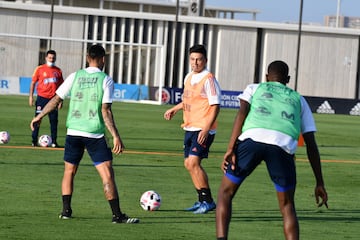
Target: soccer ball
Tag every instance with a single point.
(45, 141)
(150, 201)
(4, 137)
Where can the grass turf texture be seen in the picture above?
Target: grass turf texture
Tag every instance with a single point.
(30, 198)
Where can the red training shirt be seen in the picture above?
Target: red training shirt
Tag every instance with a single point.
(48, 80)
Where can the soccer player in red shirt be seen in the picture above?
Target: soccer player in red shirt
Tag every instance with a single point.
(46, 78)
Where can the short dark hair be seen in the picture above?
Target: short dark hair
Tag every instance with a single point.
(96, 51)
(278, 68)
(198, 48)
(53, 52)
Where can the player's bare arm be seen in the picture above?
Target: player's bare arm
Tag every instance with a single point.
(204, 133)
(60, 105)
(31, 93)
(314, 158)
(50, 106)
(169, 114)
(108, 117)
(241, 115)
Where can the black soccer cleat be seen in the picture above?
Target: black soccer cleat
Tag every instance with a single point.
(65, 214)
(123, 218)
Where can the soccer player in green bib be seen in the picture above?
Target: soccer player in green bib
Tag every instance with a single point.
(266, 128)
(91, 92)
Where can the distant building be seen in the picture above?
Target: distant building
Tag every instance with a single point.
(147, 45)
(344, 21)
(185, 7)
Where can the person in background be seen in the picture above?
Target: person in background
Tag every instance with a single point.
(46, 78)
(89, 114)
(267, 127)
(201, 106)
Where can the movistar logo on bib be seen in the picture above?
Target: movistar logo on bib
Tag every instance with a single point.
(277, 107)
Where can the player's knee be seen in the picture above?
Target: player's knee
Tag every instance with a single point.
(227, 189)
(190, 164)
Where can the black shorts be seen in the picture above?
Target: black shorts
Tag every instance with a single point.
(280, 164)
(192, 147)
(96, 147)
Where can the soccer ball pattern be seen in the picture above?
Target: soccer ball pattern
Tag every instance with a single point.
(45, 141)
(150, 201)
(4, 137)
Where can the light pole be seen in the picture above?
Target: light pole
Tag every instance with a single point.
(338, 13)
(51, 23)
(298, 45)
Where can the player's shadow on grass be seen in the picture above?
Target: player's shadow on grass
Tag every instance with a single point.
(172, 139)
(323, 215)
(27, 163)
(336, 215)
(256, 215)
(156, 219)
(185, 217)
(145, 166)
(179, 217)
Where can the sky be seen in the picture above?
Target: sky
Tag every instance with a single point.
(314, 11)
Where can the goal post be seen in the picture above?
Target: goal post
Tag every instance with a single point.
(138, 69)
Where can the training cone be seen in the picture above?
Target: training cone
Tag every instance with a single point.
(301, 141)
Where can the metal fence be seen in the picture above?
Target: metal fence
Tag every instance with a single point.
(238, 51)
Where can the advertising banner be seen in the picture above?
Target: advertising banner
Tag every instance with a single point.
(334, 105)
(130, 92)
(25, 85)
(121, 91)
(321, 105)
(229, 99)
(173, 96)
(9, 85)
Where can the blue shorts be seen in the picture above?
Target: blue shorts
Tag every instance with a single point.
(280, 164)
(192, 147)
(40, 104)
(96, 147)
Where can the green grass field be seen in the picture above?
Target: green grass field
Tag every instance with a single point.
(30, 178)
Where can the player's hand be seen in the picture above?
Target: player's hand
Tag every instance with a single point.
(118, 147)
(169, 114)
(229, 159)
(35, 122)
(31, 101)
(60, 105)
(320, 192)
(203, 134)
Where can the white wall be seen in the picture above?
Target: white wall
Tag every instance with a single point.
(238, 50)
